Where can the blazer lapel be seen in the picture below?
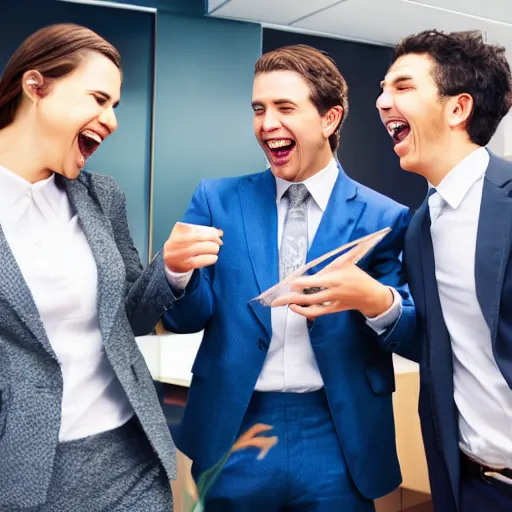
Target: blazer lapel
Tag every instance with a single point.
(494, 239)
(339, 219)
(438, 354)
(99, 234)
(413, 259)
(259, 215)
(15, 290)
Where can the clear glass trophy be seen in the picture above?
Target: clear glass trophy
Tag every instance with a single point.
(348, 254)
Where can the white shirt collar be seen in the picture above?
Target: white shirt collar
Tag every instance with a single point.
(320, 185)
(18, 193)
(462, 177)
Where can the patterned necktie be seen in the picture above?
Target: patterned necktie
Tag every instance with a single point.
(294, 242)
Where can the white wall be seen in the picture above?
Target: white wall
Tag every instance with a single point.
(501, 143)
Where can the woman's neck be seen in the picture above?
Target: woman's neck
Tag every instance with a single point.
(19, 153)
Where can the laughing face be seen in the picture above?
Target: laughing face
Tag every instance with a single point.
(414, 114)
(76, 114)
(288, 126)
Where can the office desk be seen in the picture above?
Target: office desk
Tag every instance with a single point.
(170, 358)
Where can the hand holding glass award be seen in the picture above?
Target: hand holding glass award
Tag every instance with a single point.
(349, 254)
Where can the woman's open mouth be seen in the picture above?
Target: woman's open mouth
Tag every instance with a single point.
(88, 143)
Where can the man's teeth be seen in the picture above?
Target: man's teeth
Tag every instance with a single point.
(395, 127)
(92, 135)
(275, 144)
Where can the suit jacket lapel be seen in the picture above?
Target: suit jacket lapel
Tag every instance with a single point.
(413, 259)
(493, 249)
(438, 353)
(339, 218)
(339, 225)
(493, 240)
(15, 290)
(99, 234)
(259, 215)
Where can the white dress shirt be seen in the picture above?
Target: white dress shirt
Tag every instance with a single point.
(482, 396)
(290, 364)
(58, 267)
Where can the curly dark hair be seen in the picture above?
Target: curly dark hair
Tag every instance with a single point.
(465, 63)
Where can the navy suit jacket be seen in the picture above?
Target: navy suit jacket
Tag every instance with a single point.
(493, 276)
(355, 363)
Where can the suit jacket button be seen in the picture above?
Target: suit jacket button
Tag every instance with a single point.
(261, 344)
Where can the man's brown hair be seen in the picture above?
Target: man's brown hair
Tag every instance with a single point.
(327, 85)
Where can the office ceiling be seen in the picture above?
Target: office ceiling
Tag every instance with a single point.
(375, 21)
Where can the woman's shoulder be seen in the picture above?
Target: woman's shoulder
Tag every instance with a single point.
(103, 188)
(95, 179)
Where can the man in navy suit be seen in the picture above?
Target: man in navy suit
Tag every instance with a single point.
(325, 386)
(441, 102)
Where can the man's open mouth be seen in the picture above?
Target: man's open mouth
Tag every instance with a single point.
(399, 130)
(88, 143)
(280, 146)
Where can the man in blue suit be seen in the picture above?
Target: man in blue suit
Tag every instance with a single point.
(326, 385)
(442, 101)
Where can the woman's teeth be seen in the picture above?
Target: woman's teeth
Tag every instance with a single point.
(92, 135)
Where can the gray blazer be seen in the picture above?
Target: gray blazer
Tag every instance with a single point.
(130, 301)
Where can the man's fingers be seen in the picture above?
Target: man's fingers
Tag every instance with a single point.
(197, 249)
(284, 300)
(315, 281)
(315, 311)
(189, 232)
(200, 248)
(303, 299)
(204, 260)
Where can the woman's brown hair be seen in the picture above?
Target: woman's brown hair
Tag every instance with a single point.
(53, 51)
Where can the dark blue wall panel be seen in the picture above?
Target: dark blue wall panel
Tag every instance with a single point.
(203, 118)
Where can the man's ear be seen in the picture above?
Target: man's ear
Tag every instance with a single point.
(331, 120)
(33, 85)
(459, 109)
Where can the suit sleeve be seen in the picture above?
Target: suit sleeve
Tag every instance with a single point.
(388, 269)
(147, 292)
(196, 304)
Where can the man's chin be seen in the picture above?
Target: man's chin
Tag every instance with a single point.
(410, 164)
(285, 172)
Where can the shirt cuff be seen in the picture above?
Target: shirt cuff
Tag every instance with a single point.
(380, 323)
(178, 280)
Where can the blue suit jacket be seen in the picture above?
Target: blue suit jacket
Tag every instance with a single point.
(493, 276)
(356, 364)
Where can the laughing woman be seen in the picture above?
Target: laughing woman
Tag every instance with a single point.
(81, 427)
